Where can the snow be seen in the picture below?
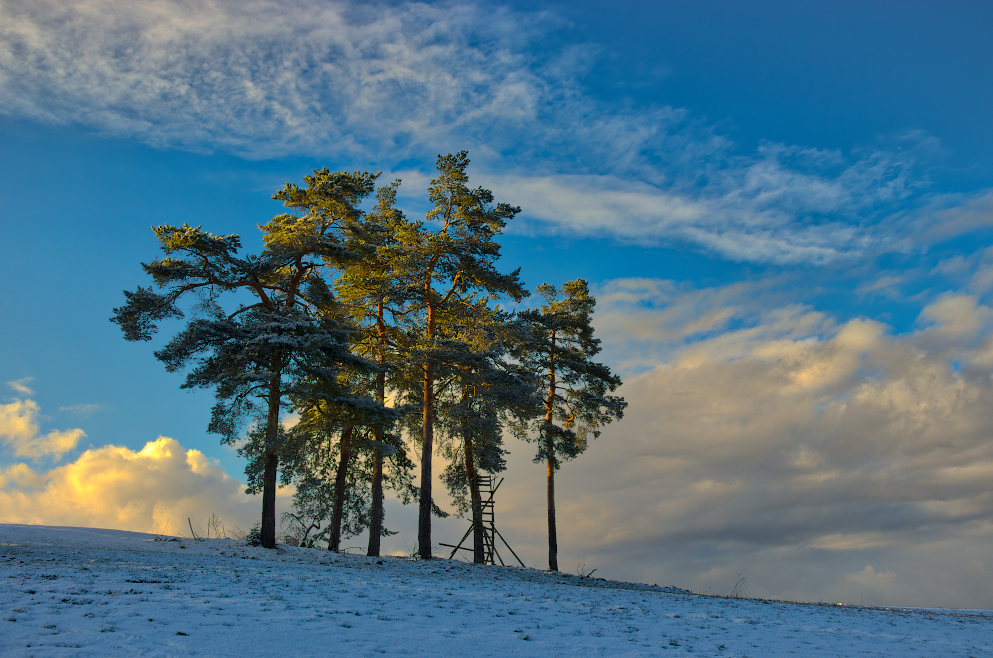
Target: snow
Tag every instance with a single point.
(88, 592)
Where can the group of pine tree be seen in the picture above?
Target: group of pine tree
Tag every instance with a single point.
(384, 336)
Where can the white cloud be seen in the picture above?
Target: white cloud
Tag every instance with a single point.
(946, 216)
(957, 316)
(392, 82)
(290, 420)
(84, 410)
(154, 489)
(267, 78)
(643, 322)
(20, 476)
(869, 578)
(757, 224)
(20, 429)
(853, 542)
(21, 386)
(885, 284)
(972, 272)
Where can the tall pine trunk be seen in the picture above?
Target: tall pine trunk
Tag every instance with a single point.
(376, 520)
(553, 544)
(478, 549)
(340, 480)
(472, 476)
(268, 531)
(427, 448)
(376, 515)
(424, 510)
(268, 535)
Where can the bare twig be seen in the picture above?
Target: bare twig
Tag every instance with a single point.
(195, 538)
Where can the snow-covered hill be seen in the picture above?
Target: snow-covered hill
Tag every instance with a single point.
(86, 592)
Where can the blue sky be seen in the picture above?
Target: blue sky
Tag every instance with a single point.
(784, 210)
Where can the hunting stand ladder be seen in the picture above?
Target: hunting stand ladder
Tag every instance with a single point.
(490, 554)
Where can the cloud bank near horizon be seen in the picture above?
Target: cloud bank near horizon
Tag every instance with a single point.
(152, 490)
(769, 438)
(385, 84)
(758, 438)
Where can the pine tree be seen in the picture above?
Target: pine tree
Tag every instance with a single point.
(369, 289)
(440, 262)
(333, 499)
(559, 354)
(255, 353)
(333, 468)
(324, 436)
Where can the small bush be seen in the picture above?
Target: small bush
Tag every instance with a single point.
(254, 536)
(236, 533)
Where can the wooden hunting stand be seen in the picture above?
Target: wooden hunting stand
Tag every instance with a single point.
(490, 533)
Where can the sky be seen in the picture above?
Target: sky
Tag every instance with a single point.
(783, 209)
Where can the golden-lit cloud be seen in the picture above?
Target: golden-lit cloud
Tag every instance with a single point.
(154, 489)
(20, 429)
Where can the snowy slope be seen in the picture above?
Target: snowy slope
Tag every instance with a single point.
(85, 592)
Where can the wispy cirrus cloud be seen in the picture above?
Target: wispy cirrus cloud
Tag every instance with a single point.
(644, 321)
(84, 410)
(771, 214)
(945, 216)
(21, 385)
(268, 78)
(387, 83)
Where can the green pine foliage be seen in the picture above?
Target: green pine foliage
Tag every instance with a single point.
(255, 354)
